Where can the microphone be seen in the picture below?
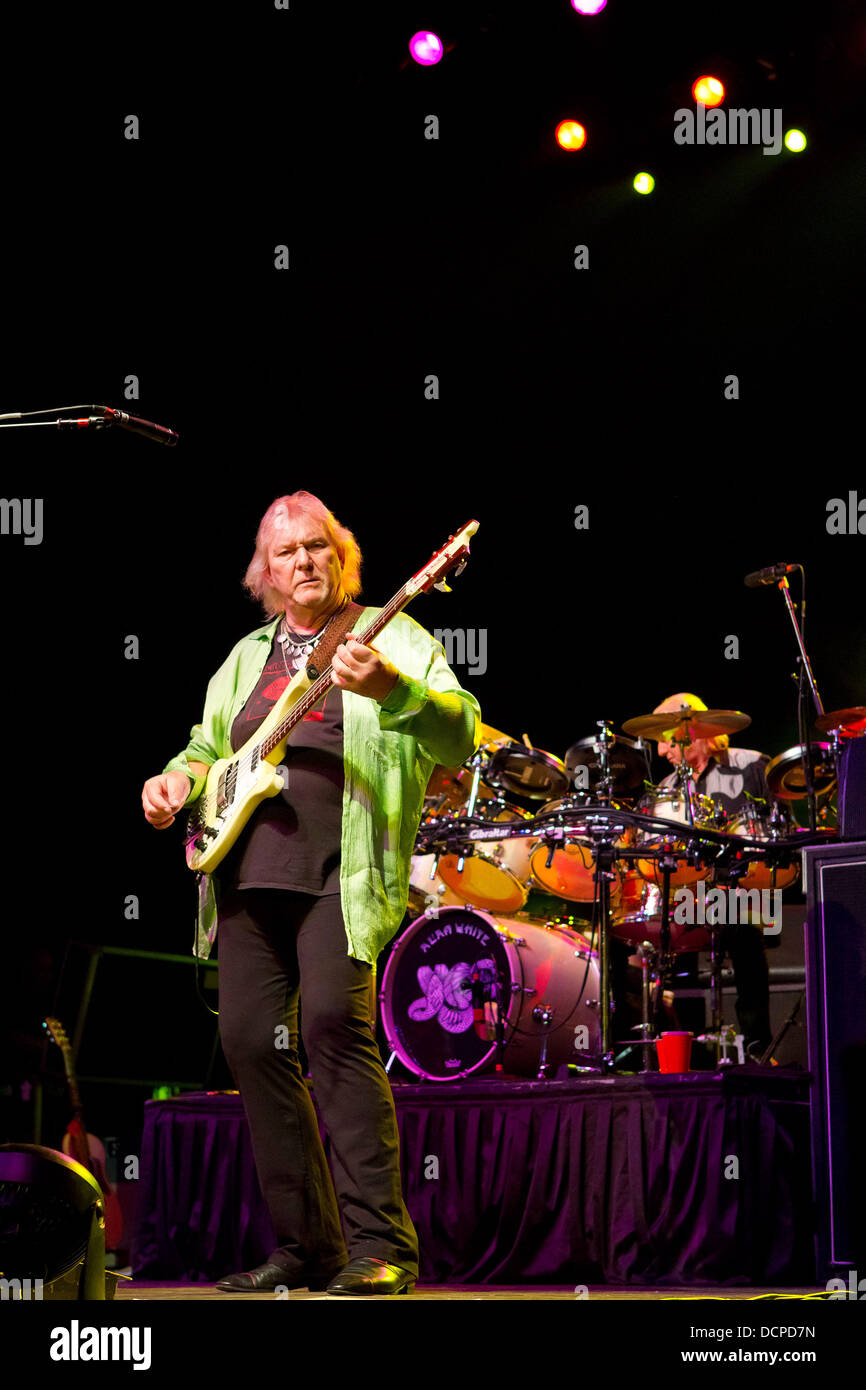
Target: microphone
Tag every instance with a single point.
(478, 1021)
(104, 415)
(768, 576)
(159, 433)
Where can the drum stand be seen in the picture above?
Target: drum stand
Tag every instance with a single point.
(716, 959)
(604, 849)
(718, 1035)
(605, 853)
(650, 982)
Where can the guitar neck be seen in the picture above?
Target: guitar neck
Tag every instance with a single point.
(321, 686)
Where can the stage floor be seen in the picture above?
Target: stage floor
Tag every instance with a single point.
(466, 1293)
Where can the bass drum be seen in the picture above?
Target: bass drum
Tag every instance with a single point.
(426, 995)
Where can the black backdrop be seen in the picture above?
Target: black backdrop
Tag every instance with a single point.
(408, 257)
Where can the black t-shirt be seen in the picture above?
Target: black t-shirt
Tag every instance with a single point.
(731, 777)
(292, 840)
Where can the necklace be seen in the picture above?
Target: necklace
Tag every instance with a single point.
(298, 647)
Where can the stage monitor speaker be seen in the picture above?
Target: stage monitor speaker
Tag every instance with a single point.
(835, 877)
(852, 790)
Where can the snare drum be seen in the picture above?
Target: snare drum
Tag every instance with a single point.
(670, 804)
(496, 875)
(747, 821)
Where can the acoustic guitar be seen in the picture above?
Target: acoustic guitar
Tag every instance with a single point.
(85, 1148)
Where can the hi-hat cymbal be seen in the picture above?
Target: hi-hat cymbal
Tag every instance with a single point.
(687, 725)
(849, 722)
(786, 778)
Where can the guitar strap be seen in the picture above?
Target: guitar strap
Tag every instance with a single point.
(320, 659)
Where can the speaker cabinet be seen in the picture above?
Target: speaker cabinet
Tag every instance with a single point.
(852, 789)
(835, 877)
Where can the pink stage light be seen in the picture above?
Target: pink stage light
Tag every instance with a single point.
(426, 48)
(588, 6)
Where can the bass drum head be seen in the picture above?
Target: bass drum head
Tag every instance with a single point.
(426, 997)
(426, 1002)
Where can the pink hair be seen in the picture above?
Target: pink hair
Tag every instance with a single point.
(280, 514)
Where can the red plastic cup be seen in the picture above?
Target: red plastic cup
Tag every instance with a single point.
(674, 1051)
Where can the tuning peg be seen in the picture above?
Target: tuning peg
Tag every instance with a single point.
(443, 587)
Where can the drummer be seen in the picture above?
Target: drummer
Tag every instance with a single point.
(731, 776)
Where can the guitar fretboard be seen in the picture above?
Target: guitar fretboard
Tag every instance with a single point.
(320, 687)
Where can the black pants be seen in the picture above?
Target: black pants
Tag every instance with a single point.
(273, 946)
(744, 944)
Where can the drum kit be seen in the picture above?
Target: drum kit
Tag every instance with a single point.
(506, 965)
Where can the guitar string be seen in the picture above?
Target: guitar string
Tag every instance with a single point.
(207, 802)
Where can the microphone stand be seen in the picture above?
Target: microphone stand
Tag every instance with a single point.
(805, 668)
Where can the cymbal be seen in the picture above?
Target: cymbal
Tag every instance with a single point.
(627, 766)
(454, 783)
(848, 721)
(493, 736)
(785, 776)
(688, 725)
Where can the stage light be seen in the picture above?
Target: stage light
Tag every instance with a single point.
(708, 91)
(426, 48)
(644, 183)
(588, 6)
(570, 135)
(795, 141)
(52, 1226)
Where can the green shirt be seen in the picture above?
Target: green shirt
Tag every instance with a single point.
(389, 752)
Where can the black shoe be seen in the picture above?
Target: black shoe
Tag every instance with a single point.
(268, 1277)
(370, 1276)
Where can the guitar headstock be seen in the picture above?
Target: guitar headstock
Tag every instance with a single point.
(57, 1033)
(452, 554)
